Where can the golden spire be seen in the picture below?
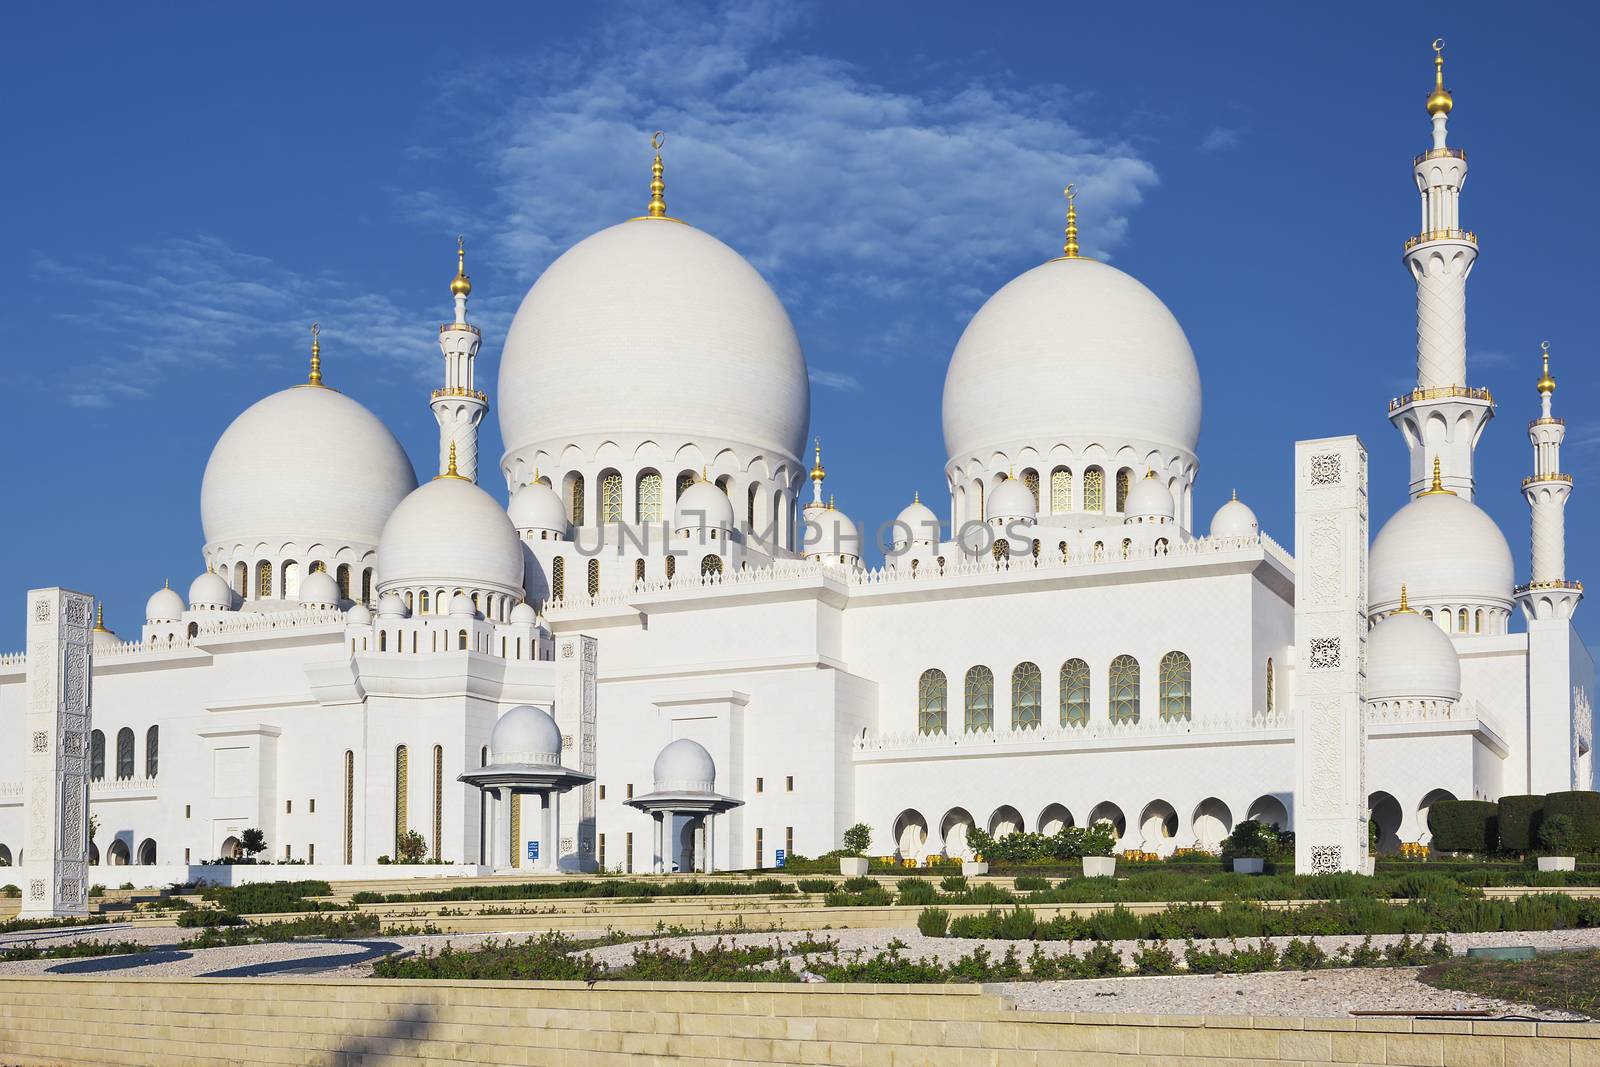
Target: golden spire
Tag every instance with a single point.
(916, 496)
(316, 356)
(1150, 472)
(1439, 102)
(461, 285)
(1438, 485)
(1070, 249)
(450, 470)
(1235, 495)
(1547, 384)
(658, 187)
(100, 617)
(830, 501)
(817, 473)
(1404, 608)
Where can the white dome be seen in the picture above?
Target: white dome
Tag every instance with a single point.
(538, 507)
(461, 605)
(307, 464)
(104, 637)
(1446, 550)
(1011, 499)
(1234, 519)
(653, 327)
(703, 506)
(319, 590)
(390, 606)
(358, 615)
(828, 533)
(524, 615)
(210, 591)
(1149, 498)
(1071, 348)
(1411, 658)
(164, 605)
(525, 735)
(916, 522)
(684, 766)
(450, 532)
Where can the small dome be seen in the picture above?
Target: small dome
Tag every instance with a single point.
(525, 735)
(210, 592)
(538, 507)
(390, 606)
(164, 605)
(1011, 499)
(703, 506)
(1411, 658)
(319, 590)
(104, 637)
(684, 766)
(450, 532)
(461, 606)
(916, 523)
(1149, 499)
(1234, 519)
(524, 615)
(1447, 550)
(358, 615)
(828, 533)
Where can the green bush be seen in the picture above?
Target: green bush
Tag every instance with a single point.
(955, 883)
(1519, 822)
(916, 891)
(208, 917)
(1465, 826)
(1029, 883)
(1068, 843)
(858, 839)
(1582, 806)
(1252, 839)
(815, 885)
(1558, 834)
(933, 922)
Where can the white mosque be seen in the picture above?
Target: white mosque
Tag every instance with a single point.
(1067, 644)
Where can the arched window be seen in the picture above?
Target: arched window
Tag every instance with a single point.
(1124, 479)
(1461, 621)
(914, 564)
(638, 569)
(558, 579)
(124, 753)
(461, 640)
(349, 805)
(575, 501)
(342, 577)
(932, 697)
(1094, 489)
(1161, 546)
(1477, 622)
(1061, 490)
(672, 567)
(1124, 689)
(1061, 547)
(1026, 689)
(611, 497)
(241, 579)
(410, 604)
(438, 800)
(1428, 614)
(710, 566)
(980, 699)
(685, 480)
(1176, 686)
(594, 577)
(1035, 548)
(1074, 693)
(422, 602)
(289, 579)
(1272, 694)
(1099, 550)
(366, 586)
(647, 508)
(401, 784)
(1001, 550)
(1030, 478)
(152, 751)
(750, 508)
(264, 580)
(97, 756)
(1127, 545)
(940, 562)
(383, 641)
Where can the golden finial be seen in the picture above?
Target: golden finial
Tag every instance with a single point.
(1547, 384)
(817, 473)
(916, 496)
(1439, 103)
(1235, 495)
(316, 356)
(830, 501)
(1070, 249)
(100, 617)
(1438, 484)
(705, 474)
(461, 285)
(658, 188)
(1149, 472)
(450, 470)
(1404, 608)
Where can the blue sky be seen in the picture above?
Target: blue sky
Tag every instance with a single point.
(190, 186)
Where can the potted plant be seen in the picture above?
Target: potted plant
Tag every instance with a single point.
(972, 868)
(853, 858)
(1249, 846)
(1558, 834)
(1095, 847)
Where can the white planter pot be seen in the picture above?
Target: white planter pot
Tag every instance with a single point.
(1558, 863)
(852, 866)
(1099, 866)
(973, 868)
(1249, 865)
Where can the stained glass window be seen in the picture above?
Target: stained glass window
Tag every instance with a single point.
(1074, 693)
(648, 508)
(1060, 490)
(980, 699)
(932, 694)
(264, 580)
(1176, 692)
(710, 566)
(1026, 688)
(1094, 489)
(611, 497)
(1030, 478)
(594, 577)
(558, 581)
(1124, 689)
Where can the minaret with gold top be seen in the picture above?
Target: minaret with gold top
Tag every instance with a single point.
(1443, 417)
(459, 406)
(1548, 593)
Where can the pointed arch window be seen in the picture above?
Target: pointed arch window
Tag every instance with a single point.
(1061, 490)
(264, 580)
(1030, 478)
(1127, 546)
(575, 501)
(1461, 621)
(152, 751)
(1001, 550)
(638, 569)
(932, 697)
(366, 586)
(422, 602)
(1176, 687)
(289, 579)
(1124, 679)
(342, 577)
(558, 580)
(1477, 622)
(1075, 693)
(1094, 489)
(124, 753)
(647, 507)
(980, 699)
(97, 756)
(611, 497)
(1026, 691)
(1124, 479)
(710, 566)
(685, 480)
(672, 567)
(594, 577)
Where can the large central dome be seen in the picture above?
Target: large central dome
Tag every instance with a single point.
(1071, 349)
(653, 329)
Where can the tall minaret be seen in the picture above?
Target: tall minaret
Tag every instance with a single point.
(459, 406)
(1548, 593)
(1443, 417)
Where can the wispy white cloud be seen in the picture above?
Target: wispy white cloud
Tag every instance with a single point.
(1220, 139)
(828, 379)
(1490, 358)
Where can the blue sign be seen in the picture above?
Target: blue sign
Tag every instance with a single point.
(533, 850)
(778, 858)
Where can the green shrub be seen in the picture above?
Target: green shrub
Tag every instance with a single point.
(858, 839)
(916, 891)
(1303, 956)
(1582, 806)
(1154, 959)
(1519, 822)
(1558, 834)
(859, 884)
(933, 922)
(1465, 826)
(1067, 844)
(1031, 882)
(815, 885)
(208, 917)
(954, 883)
(1252, 840)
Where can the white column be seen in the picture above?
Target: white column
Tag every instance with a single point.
(552, 821)
(657, 841)
(1330, 628)
(500, 849)
(711, 843)
(699, 861)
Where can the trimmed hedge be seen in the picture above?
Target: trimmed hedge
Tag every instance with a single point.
(1465, 825)
(1583, 806)
(1519, 822)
